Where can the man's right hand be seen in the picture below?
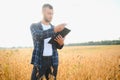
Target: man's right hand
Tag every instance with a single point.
(59, 27)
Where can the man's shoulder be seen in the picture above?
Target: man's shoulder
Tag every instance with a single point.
(52, 25)
(35, 25)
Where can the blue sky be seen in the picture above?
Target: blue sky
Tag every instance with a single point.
(89, 20)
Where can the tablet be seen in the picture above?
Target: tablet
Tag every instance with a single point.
(63, 33)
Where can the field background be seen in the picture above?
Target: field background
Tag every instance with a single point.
(75, 63)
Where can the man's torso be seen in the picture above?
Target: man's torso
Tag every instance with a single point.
(47, 47)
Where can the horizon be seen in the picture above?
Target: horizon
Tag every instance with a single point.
(69, 44)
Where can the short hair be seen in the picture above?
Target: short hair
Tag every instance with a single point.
(47, 6)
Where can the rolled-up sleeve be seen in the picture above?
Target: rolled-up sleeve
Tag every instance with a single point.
(59, 46)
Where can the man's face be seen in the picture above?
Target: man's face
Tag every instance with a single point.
(47, 14)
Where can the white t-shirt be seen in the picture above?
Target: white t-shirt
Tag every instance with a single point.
(47, 47)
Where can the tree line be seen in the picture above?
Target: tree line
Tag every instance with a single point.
(105, 42)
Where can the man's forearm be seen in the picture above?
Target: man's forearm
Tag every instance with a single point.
(40, 34)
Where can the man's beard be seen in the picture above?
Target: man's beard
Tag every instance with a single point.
(46, 20)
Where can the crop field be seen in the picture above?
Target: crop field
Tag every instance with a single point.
(75, 63)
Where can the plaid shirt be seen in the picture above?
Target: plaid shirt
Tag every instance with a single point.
(38, 36)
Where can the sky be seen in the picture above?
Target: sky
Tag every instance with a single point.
(89, 20)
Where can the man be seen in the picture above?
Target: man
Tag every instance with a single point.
(44, 54)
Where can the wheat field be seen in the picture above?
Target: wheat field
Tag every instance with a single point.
(75, 63)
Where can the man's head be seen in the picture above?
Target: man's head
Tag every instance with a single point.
(47, 11)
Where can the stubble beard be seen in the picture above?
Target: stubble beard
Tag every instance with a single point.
(46, 20)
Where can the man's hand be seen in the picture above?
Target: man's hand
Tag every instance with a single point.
(59, 27)
(59, 39)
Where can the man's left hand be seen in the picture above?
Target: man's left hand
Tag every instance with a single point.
(59, 39)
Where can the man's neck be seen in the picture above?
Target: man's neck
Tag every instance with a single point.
(44, 22)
